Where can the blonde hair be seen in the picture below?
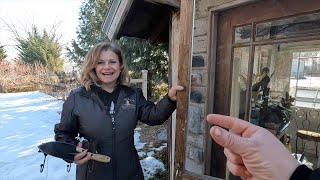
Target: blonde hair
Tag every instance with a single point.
(88, 75)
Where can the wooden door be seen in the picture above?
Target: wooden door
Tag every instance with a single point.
(249, 17)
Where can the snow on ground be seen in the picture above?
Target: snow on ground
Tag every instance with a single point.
(26, 121)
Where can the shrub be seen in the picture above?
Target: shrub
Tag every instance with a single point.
(162, 156)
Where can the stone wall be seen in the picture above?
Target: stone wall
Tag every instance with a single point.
(197, 124)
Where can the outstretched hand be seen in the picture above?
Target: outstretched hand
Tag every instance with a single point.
(173, 92)
(252, 152)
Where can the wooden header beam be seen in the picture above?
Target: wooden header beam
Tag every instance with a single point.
(173, 3)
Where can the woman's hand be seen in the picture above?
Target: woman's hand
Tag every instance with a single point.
(173, 92)
(83, 156)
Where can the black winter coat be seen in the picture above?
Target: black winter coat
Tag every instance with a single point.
(84, 113)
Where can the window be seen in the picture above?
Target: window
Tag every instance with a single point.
(279, 66)
(305, 78)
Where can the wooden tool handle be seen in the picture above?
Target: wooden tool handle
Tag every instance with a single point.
(100, 158)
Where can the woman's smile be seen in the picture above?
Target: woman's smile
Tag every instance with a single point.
(108, 69)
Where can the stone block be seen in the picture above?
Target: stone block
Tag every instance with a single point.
(198, 61)
(194, 117)
(200, 44)
(194, 153)
(200, 26)
(196, 140)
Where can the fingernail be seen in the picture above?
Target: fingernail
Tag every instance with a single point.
(217, 132)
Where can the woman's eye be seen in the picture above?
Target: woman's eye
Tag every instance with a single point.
(100, 62)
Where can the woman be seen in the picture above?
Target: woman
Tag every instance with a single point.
(105, 111)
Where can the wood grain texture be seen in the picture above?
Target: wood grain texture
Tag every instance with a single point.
(185, 55)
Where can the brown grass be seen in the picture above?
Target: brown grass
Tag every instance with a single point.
(18, 76)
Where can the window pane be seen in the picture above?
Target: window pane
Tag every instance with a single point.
(306, 79)
(285, 77)
(239, 81)
(242, 34)
(295, 26)
(270, 83)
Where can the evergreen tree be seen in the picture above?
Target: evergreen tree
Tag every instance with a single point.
(44, 48)
(2, 53)
(91, 17)
(141, 55)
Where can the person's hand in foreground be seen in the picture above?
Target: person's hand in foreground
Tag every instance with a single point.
(252, 152)
(83, 156)
(173, 92)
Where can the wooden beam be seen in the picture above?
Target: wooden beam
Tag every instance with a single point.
(173, 3)
(211, 69)
(185, 55)
(174, 32)
(230, 5)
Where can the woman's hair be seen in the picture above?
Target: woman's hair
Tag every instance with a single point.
(88, 75)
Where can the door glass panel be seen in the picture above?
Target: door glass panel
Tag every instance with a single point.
(295, 26)
(242, 34)
(305, 78)
(285, 77)
(239, 81)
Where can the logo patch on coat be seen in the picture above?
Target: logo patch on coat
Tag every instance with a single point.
(128, 103)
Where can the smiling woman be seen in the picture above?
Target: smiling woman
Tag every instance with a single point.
(105, 111)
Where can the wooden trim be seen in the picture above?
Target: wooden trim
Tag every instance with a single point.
(185, 55)
(118, 18)
(230, 5)
(194, 176)
(173, 3)
(174, 32)
(249, 82)
(211, 69)
(110, 15)
(278, 41)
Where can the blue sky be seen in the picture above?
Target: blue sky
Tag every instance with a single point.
(42, 13)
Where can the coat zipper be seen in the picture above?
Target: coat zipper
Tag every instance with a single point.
(111, 113)
(113, 144)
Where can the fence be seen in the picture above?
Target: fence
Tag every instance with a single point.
(61, 85)
(144, 81)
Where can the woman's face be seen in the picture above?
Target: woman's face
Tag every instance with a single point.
(108, 69)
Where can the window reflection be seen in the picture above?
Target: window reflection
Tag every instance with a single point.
(242, 34)
(284, 78)
(295, 26)
(305, 78)
(239, 81)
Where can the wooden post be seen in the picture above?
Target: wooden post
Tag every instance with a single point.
(145, 83)
(173, 74)
(185, 55)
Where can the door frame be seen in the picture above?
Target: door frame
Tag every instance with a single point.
(222, 19)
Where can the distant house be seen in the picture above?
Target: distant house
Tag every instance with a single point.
(217, 49)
